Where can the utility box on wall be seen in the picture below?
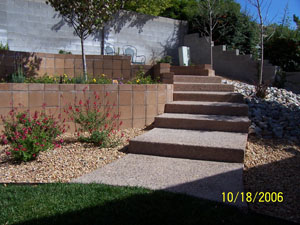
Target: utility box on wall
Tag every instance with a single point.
(184, 55)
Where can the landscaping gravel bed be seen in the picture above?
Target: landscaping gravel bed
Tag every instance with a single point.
(274, 166)
(276, 116)
(272, 157)
(70, 161)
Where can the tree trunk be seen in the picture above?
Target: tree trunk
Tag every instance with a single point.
(102, 40)
(211, 50)
(262, 55)
(83, 60)
(258, 6)
(211, 39)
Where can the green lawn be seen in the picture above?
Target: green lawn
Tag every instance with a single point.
(102, 204)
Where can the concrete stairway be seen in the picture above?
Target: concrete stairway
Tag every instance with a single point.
(206, 121)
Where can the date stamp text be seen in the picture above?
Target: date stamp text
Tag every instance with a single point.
(250, 197)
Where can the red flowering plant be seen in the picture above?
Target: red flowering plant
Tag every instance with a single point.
(94, 122)
(29, 135)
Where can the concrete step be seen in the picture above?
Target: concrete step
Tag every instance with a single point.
(202, 66)
(190, 144)
(207, 108)
(207, 96)
(203, 122)
(180, 86)
(196, 79)
(192, 70)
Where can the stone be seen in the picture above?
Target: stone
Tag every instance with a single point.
(277, 115)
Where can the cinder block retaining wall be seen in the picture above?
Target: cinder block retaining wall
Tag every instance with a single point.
(34, 64)
(227, 63)
(137, 104)
(58, 64)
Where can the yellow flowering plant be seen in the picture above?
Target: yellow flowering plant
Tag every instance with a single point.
(141, 78)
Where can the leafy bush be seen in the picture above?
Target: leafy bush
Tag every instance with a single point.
(65, 79)
(79, 80)
(64, 52)
(284, 52)
(43, 79)
(166, 59)
(94, 122)
(18, 77)
(283, 46)
(141, 78)
(4, 47)
(102, 79)
(28, 135)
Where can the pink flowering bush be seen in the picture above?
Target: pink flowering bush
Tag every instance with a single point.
(28, 135)
(94, 121)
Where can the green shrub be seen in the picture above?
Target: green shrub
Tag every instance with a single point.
(79, 80)
(94, 121)
(166, 59)
(102, 79)
(29, 135)
(4, 47)
(43, 79)
(64, 52)
(284, 52)
(65, 79)
(18, 77)
(141, 78)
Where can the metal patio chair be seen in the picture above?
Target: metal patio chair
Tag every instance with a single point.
(135, 59)
(109, 49)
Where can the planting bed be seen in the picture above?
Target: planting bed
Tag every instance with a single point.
(72, 160)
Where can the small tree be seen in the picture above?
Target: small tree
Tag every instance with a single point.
(86, 17)
(297, 21)
(150, 7)
(260, 5)
(207, 16)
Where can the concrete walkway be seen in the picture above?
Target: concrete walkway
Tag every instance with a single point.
(203, 179)
(197, 126)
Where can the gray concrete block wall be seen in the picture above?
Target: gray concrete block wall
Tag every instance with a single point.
(293, 81)
(154, 37)
(199, 49)
(34, 26)
(3, 22)
(227, 63)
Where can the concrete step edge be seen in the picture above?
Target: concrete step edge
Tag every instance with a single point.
(205, 145)
(200, 103)
(207, 93)
(204, 84)
(238, 124)
(201, 117)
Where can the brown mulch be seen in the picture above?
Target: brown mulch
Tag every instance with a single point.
(72, 160)
(274, 166)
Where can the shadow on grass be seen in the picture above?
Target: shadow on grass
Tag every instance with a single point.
(148, 208)
(100, 204)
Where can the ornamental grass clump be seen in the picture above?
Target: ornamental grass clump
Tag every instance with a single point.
(29, 135)
(94, 122)
(261, 91)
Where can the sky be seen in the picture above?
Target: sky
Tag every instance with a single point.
(276, 10)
